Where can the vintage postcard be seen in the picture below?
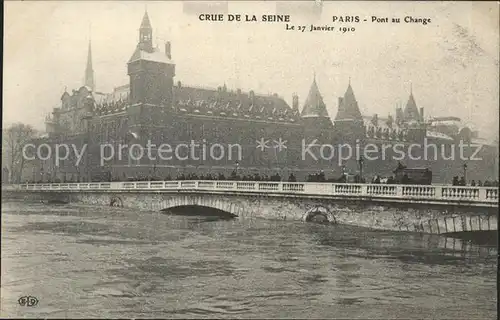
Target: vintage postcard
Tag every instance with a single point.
(250, 159)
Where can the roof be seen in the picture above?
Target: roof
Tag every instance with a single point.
(348, 107)
(238, 104)
(381, 123)
(483, 141)
(145, 24)
(109, 103)
(115, 96)
(445, 122)
(156, 56)
(438, 135)
(314, 106)
(411, 111)
(89, 71)
(64, 94)
(439, 119)
(207, 101)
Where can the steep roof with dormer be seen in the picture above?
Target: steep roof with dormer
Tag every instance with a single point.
(314, 106)
(218, 102)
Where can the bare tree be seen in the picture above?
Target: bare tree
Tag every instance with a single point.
(14, 138)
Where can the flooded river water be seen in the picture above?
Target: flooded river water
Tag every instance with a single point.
(82, 261)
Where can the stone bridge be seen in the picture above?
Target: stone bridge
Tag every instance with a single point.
(425, 209)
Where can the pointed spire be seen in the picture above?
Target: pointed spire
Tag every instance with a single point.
(145, 24)
(89, 71)
(349, 94)
(411, 111)
(348, 106)
(314, 107)
(146, 34)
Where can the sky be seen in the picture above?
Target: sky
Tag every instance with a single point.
(451, 64)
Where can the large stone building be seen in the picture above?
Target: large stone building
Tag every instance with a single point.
(154, 107)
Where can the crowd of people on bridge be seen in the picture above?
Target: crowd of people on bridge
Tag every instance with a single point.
(461, 182)
(236, 176)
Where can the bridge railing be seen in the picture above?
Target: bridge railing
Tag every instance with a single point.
(438, 192)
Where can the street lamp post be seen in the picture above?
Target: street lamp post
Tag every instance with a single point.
(237, 167)
(361, 168)
(41, 173)
(465, 173)
(154, 167)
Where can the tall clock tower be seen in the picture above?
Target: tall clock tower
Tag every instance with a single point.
(151, 71)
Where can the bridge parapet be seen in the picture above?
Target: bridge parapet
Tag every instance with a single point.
(466, 195)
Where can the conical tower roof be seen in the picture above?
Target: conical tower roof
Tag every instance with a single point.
(314, 106)
(411, 111)
(89, 71)
(145, 24)
(348, 107)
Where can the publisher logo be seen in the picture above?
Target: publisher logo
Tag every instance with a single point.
(28, 301)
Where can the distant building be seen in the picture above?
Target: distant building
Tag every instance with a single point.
(153, 107)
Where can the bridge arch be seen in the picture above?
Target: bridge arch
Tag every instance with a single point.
(319, 213)
(223, 205)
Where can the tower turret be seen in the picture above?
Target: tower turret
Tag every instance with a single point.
(348, 107)
(314, 115)
(146, 34)
(349, 121)
(151, 71)
(410, 112)
(413, 119)
(314, 107)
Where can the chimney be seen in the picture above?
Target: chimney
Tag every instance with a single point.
(167, 50)
(399, 115)
(375, 120)
(295, 102)
(422, 114)
(251, 95)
